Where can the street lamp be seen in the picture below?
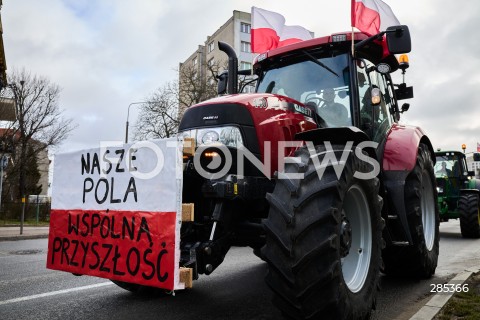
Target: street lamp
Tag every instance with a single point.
(128, 114)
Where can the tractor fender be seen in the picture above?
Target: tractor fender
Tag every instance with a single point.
(339, 135)
(474, 184)
(401, 147)
(334, 135)
(469, 191)
(399, 159)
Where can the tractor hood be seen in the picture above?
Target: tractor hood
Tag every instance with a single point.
(244, 109)
(264, 101)
(261, 118)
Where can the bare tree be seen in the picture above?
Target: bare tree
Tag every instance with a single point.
(39, 123)
(197, 84)
(158, 117)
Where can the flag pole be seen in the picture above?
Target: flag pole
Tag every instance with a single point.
(353, 43)
(352, 23)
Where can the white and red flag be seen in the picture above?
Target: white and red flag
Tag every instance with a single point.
(269, 31)
(372, 16)
(478, 147)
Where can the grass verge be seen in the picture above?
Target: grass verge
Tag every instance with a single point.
(463, 305)
(9, 223)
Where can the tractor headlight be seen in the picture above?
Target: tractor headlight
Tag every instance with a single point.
(229, 136)
(209, 137)
(439, 189)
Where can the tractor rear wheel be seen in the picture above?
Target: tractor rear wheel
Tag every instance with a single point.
(469, 215)
(324, 238)
(419, 259)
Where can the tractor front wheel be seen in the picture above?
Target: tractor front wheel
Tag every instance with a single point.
(324, 238)
(469, 215)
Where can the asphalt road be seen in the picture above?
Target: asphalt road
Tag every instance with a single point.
(235, 290)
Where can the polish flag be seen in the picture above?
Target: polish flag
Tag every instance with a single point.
(269, 31)
(372, 16)
(478, 147)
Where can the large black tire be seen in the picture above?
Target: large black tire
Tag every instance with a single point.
(469, 215)
(420, 259)
(311, 267)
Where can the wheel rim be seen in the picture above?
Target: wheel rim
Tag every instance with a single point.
(428, 210)
(356, 263)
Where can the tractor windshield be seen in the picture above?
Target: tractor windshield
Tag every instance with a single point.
(314, 79)
(449, 165)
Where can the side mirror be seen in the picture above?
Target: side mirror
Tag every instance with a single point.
(405, 107)
(398, 40)
(471, 173)
(222, 83)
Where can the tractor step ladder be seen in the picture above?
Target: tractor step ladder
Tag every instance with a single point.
(396, 231)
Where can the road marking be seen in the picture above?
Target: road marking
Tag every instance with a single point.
(53, 293)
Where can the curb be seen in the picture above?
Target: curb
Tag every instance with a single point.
(438, 301)
(24, 237)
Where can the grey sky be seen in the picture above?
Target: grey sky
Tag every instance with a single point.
(106, 54)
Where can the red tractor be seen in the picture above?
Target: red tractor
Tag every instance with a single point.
(314, 173)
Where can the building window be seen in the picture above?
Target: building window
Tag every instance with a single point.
(245, 65)
(245, 46)
(245, 27)
(211, 46)
(250, 88)
(211, 62)
(195, 61)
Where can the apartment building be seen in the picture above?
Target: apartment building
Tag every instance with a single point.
(236, 32)
(7, 106)
(3, 63)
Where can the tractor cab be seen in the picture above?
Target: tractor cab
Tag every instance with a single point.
(452, 174)
(340, 88)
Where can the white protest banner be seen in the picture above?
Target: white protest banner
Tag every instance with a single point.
(116, 213)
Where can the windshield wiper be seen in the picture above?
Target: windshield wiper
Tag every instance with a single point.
(313, 59)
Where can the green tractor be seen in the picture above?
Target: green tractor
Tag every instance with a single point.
(458, 192)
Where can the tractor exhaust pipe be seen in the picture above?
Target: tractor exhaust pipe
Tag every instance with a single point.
(232, 66)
